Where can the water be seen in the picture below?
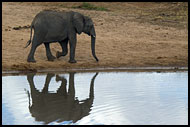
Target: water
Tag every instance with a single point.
(132, 98)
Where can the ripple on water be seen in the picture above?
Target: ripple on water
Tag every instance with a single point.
(119, 98)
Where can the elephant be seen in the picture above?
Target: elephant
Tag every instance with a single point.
(61, 106)
(62, 27)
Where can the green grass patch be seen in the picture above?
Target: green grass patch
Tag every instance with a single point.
(89, 6)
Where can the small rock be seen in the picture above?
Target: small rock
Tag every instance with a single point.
(176, 68)
(159, 57)
(157, 28)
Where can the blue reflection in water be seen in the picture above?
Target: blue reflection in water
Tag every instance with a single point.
(113, 98)
(6, 116)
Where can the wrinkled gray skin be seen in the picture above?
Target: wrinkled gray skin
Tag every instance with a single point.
(52, 26)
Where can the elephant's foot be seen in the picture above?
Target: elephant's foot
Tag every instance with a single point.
(59, 54)
(58, 78)
(72, 61)
(51, 58)
(31, 60)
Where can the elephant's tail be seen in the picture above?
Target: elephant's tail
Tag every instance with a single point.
(28, 43)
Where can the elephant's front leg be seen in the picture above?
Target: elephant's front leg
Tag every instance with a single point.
(48, 53)
(64, 47)
(72, 43)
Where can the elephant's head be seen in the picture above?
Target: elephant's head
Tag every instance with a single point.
(85, 24)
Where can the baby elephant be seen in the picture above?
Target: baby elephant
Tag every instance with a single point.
(53, 26)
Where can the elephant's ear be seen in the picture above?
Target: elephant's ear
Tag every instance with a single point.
(78, 22)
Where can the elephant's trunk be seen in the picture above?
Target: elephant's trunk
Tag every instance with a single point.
(93, 38)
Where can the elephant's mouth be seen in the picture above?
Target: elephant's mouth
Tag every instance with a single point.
(90, 34)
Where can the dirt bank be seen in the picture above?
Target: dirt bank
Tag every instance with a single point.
(128, 35)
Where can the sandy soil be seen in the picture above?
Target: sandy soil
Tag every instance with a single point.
(124, 38)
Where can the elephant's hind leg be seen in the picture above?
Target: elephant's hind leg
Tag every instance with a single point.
(50, 57)
(35, 43)
(64, 47)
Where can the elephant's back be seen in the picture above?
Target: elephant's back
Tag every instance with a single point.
(53, 24)
(47, 15)
(50, 13)
(51, 19)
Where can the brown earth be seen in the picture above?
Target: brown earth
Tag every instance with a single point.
(128, 35)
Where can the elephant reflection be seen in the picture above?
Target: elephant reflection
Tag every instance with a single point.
(59, 106)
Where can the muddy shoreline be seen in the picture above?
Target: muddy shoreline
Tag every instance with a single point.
(119, 69)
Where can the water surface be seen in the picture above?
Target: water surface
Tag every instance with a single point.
(95, 98)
